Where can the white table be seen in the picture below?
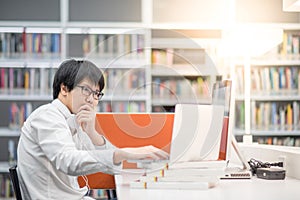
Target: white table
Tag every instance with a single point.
(254, 189)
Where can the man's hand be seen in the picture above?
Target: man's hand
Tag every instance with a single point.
(139, 153)
(86, 118)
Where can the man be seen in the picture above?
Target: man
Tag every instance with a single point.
(59, 142)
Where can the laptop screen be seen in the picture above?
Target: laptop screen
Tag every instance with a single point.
(202, 132)
(221, 95)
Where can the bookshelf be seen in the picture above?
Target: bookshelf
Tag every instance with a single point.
(183, 69)
(39, 36)
(121, 54)
(29, 57)
(274, 104)
(274, 99)
(257, 72)
(6, 190)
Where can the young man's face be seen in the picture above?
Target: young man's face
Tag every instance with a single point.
(82, 94)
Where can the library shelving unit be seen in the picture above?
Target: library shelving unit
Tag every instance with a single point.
(263, 98)
(39, 37)
(183, 70)
(183, 43)
(282, 99)
(274, 93)
(121, 54)
(28, 60)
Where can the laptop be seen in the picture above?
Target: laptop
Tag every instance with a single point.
(214, 151)
(208, 154)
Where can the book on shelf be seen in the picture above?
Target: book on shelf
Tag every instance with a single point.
(240, 115)
(12, 152)
(36, 80)
(189, 56)
(106, 45)
(278, 140)
(269, 80)
(176, 56)
(295, 113)
(125, 82)
(18, 113)
(119, 106)
(186, 88)
(127, 44)
(274, 79)
(283, 115)
(162, 56)
(239, 79)
(290, 44)
(20, 45)
(6, 189)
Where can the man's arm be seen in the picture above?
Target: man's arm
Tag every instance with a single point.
(86, 118)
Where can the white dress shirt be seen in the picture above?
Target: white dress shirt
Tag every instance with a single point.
(53, 151)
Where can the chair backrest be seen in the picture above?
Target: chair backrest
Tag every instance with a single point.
(136, 129)
(109, 124)
(15, 181)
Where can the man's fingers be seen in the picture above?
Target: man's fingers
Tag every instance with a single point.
(151, 152)
(158, 152)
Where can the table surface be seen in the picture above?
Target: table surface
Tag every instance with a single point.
(245, 189)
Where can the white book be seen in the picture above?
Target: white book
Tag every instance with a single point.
(179, 178)
(253, 113)
(43, 81)
(185, 172)
(110, 45)
(32, 79)
(101, 44)
(267, 78)
(28, 109)
(134, 45)
(121, 42)
(188, 183)
(295, 113)
(205, 164)
(93, 44)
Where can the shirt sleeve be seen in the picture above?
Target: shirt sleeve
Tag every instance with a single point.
(55, 140)
(107, 145)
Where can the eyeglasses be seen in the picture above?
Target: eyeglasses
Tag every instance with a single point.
(86, 91)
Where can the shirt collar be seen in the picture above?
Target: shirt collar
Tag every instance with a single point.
(70, 118)
(62, 108)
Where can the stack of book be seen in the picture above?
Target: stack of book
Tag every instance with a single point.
(179, 178)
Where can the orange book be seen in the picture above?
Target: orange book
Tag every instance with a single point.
(26, 79)
(289, 114)
(269, 140)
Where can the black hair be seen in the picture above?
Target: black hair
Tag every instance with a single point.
(71, 72)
